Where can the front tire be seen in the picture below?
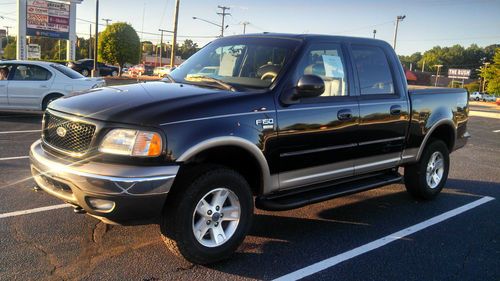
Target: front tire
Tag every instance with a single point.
(425, 179)
(208, 214)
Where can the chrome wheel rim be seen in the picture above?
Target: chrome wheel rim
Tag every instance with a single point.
(435, 169)
(216, 217)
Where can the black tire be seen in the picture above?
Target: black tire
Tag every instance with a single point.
(178, 215)
(416, 175)
(48, 99)
(85, 72)
(477, 99)
(114, 73)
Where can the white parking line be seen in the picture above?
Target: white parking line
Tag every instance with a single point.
(324, 264)
(36, 210)
(19, 132)
(14, 158)
(496, 131)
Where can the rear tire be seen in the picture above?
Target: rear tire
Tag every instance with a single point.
(114, 73)
(207, 199)
(425, 179)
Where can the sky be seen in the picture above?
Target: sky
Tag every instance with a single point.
(428, 22)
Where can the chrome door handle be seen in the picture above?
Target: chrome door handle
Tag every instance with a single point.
(344, 114)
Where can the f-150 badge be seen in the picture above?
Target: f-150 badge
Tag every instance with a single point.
(265, 123)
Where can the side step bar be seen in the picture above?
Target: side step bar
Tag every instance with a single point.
(292, 200)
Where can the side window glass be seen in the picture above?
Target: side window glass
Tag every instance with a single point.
(6, 69)
(31, 73)
(327, 62)
(373, 70)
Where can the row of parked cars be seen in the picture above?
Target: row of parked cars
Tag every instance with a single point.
(85, 66)
(478, 96)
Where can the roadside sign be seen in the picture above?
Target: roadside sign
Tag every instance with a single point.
(47, 19)
(3, 33)
(34, 51)
(459, 73)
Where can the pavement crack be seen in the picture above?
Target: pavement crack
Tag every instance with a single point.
(20, 237)
(98, 231)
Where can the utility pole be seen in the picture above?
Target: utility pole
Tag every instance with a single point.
(95, 71)
(245, 23)
(90, 41)
(161, 43)
(398, 19)
(374, 32)
(7, 32)
(484, 79)
(107, 21)
(223, 14)
(174, 36)
(437, 73)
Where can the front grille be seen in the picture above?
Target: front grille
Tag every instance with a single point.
(73, 137)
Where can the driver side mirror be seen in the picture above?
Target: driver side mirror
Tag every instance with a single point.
(309, 86)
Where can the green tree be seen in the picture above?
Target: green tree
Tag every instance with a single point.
(472, 87)
(119, 44)
(188, 48)
(491, 74)
(9, 51)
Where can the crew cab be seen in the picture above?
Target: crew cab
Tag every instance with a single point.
(281, 122)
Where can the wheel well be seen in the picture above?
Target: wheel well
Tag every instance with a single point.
(446, 134)
(47, 97)
(233, 157)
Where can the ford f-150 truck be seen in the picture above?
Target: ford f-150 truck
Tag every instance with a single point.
(281, 121)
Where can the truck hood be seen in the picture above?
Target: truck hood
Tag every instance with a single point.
(141, 104)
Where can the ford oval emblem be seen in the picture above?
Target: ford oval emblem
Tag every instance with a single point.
(60, 131)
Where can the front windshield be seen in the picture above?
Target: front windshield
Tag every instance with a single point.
(239, 61)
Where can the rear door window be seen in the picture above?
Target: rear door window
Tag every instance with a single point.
(374, 72)
(31, 73)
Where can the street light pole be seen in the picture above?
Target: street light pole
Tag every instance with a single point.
(398, 19)
(374, 32)
(437, 73)
(7, 32)
(95, 71)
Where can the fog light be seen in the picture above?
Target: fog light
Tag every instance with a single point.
(101, 204)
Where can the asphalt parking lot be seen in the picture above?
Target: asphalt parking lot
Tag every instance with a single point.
(380, 234)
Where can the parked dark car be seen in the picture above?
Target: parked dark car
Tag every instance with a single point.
(85, 66)
(287, 120)
(141, 69)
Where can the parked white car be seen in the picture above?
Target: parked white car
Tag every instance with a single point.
(477, 96)
(32, 85)
(488, 97)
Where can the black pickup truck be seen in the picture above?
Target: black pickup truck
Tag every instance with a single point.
(277, 121)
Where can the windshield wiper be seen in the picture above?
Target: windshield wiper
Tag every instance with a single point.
(168, 78)
(203, 78)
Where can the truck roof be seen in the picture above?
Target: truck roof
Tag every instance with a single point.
(308, 37)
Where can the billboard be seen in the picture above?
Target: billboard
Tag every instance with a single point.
(459, 73)
(47, 19)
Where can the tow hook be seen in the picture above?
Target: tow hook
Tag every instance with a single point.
(79, 210)
(36, 188)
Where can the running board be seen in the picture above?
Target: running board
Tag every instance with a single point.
(292, 200)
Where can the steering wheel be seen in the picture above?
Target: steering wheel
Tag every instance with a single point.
(269, 76)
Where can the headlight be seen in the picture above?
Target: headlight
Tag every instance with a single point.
(131, 143)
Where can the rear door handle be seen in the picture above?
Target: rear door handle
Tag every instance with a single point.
(344, 114)
(396, 110)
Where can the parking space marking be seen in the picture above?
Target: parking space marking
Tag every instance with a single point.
(14, 158)
(19, 132)
(327, 263)
(496, 131)
(35, 210)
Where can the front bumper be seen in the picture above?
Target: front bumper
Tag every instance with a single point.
(136, 192)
